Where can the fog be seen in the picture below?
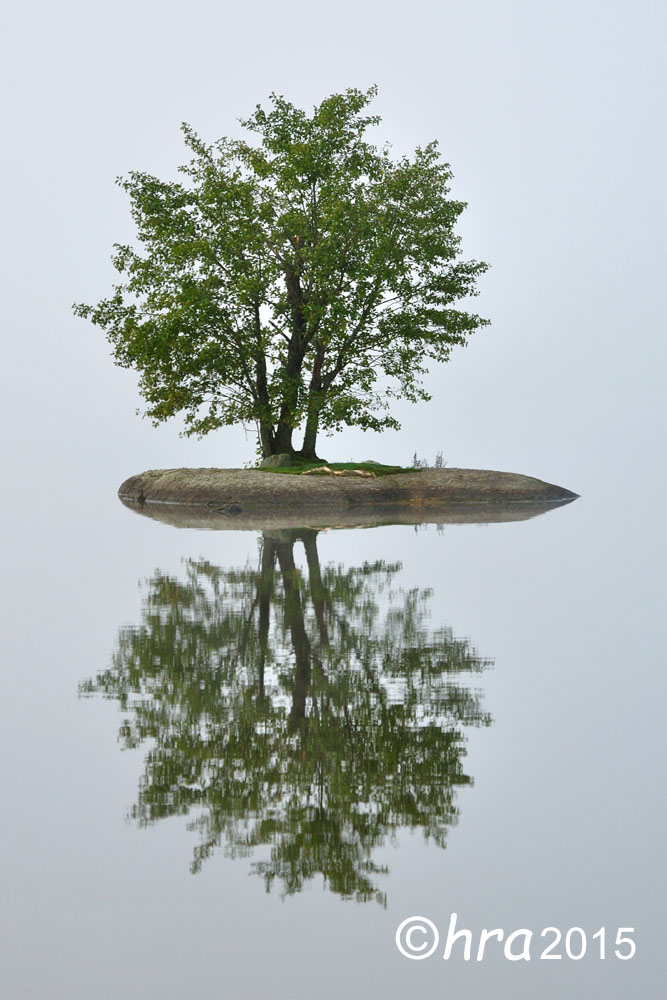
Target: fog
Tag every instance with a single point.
(552, 118)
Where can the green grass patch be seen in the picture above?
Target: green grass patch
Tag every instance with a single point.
(375, 467)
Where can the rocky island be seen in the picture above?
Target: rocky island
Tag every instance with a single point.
(255, 498)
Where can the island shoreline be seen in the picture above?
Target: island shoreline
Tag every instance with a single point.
(251, 497)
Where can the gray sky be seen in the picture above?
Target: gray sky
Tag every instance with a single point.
(551, 115)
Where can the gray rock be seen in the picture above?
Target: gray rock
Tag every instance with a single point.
(275, 462)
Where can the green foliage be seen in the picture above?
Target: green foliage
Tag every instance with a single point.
(305, 277)
(313, 712)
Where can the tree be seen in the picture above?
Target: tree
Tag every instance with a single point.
(314, 712)
(305, 279)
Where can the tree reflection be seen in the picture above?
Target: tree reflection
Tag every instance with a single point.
(314, 711)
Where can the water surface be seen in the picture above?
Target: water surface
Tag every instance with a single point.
(238, 760)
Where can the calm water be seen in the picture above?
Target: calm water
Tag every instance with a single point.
(236, 761)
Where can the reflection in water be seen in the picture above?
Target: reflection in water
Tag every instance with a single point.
(313, 711)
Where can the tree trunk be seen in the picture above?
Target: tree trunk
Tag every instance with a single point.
(265, 419)
(315, 401)
(291, 374)
(265, 439)
(282, 440)
(310, 436)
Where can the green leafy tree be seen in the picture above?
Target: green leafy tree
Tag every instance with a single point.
(302, 279)
(313, 712)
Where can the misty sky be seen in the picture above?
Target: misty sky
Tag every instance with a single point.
(551, 115)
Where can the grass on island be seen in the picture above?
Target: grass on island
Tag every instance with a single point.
(375, 467)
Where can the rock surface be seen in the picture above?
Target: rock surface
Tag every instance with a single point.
(248, 498)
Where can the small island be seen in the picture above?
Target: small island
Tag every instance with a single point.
(251, 498)
(300, 281)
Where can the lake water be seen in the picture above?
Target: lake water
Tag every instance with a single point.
(235, 762)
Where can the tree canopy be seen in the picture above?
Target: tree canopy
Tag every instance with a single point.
(302, 279)
(313, 712)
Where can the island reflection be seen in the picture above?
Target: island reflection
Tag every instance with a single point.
(314, 711)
